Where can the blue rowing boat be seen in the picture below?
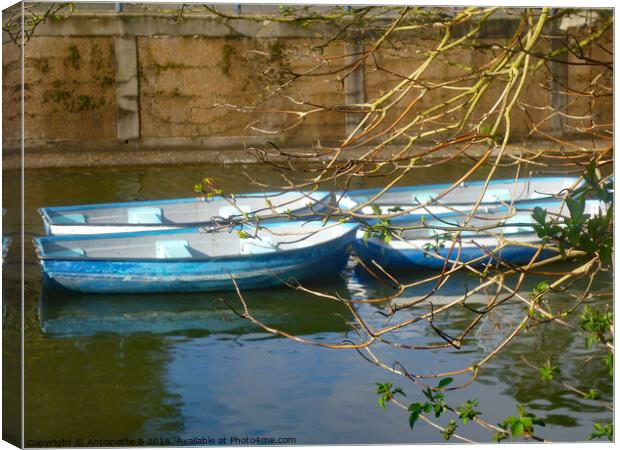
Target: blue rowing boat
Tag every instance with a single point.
(407, 204)
(195, 259)
(468, 192)
(156, 215)
(430, 244)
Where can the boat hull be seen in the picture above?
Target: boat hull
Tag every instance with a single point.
(398, 259)
(151, 276)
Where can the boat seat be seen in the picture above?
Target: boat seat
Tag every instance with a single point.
(496, 195)
(521, 219)
(254, 246)
(172, 249)
(70, 218)
(144, 215)
(227, 212)
(67, 253)
(423, 197)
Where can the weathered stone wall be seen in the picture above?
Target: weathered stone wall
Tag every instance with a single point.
(186, 84)
(139, 83)
(70, 88)
(11, 93)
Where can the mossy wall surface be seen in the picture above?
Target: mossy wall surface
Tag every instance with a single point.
(69, 88)
(190, 87)
(204, 83)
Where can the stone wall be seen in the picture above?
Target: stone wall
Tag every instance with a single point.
(182, 78)
(134, 83)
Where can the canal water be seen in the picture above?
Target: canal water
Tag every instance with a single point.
(176, 367)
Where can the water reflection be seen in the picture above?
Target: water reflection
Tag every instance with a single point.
(196, 314)
(109, 387)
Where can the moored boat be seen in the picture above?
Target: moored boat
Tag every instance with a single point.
(411, 203)
(186, 260)
(495, 236)
(156, 215)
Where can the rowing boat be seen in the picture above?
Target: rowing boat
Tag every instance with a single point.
(156, 215)
(411, 203)
(185, 260)
(430, 244)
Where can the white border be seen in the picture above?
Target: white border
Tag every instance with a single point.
(521, 3)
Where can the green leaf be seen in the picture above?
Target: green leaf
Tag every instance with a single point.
(517, 429)
(467, 411)
(526, 422)
(548, 371)
(603, 431)
(449, 430)
(576, 209)
(398, 391)
(415, 409)
(592, 394)
(444, 382)
(539, 215)
(542, 286)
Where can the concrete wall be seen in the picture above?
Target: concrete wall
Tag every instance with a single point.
(146, 83)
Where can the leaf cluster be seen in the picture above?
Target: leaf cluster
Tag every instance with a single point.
(438, 244)
(548, 371)
(382, 229)
(467, 411)
(435, 402)
(592, 235)
(596, 325)
(603, 431)
(386, 392)
(520, 425)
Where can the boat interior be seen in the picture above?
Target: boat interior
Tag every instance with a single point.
(495, 222)
(499, 191)
(193, 244)
(200, 210)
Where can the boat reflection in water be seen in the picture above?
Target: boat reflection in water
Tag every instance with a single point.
(195, 314)
(495, 323)
(363, 285)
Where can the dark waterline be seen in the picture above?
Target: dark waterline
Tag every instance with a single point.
(184, 366)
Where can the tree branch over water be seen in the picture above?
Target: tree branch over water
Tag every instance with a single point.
(533, 97)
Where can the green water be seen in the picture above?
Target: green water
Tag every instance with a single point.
(172, 368)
